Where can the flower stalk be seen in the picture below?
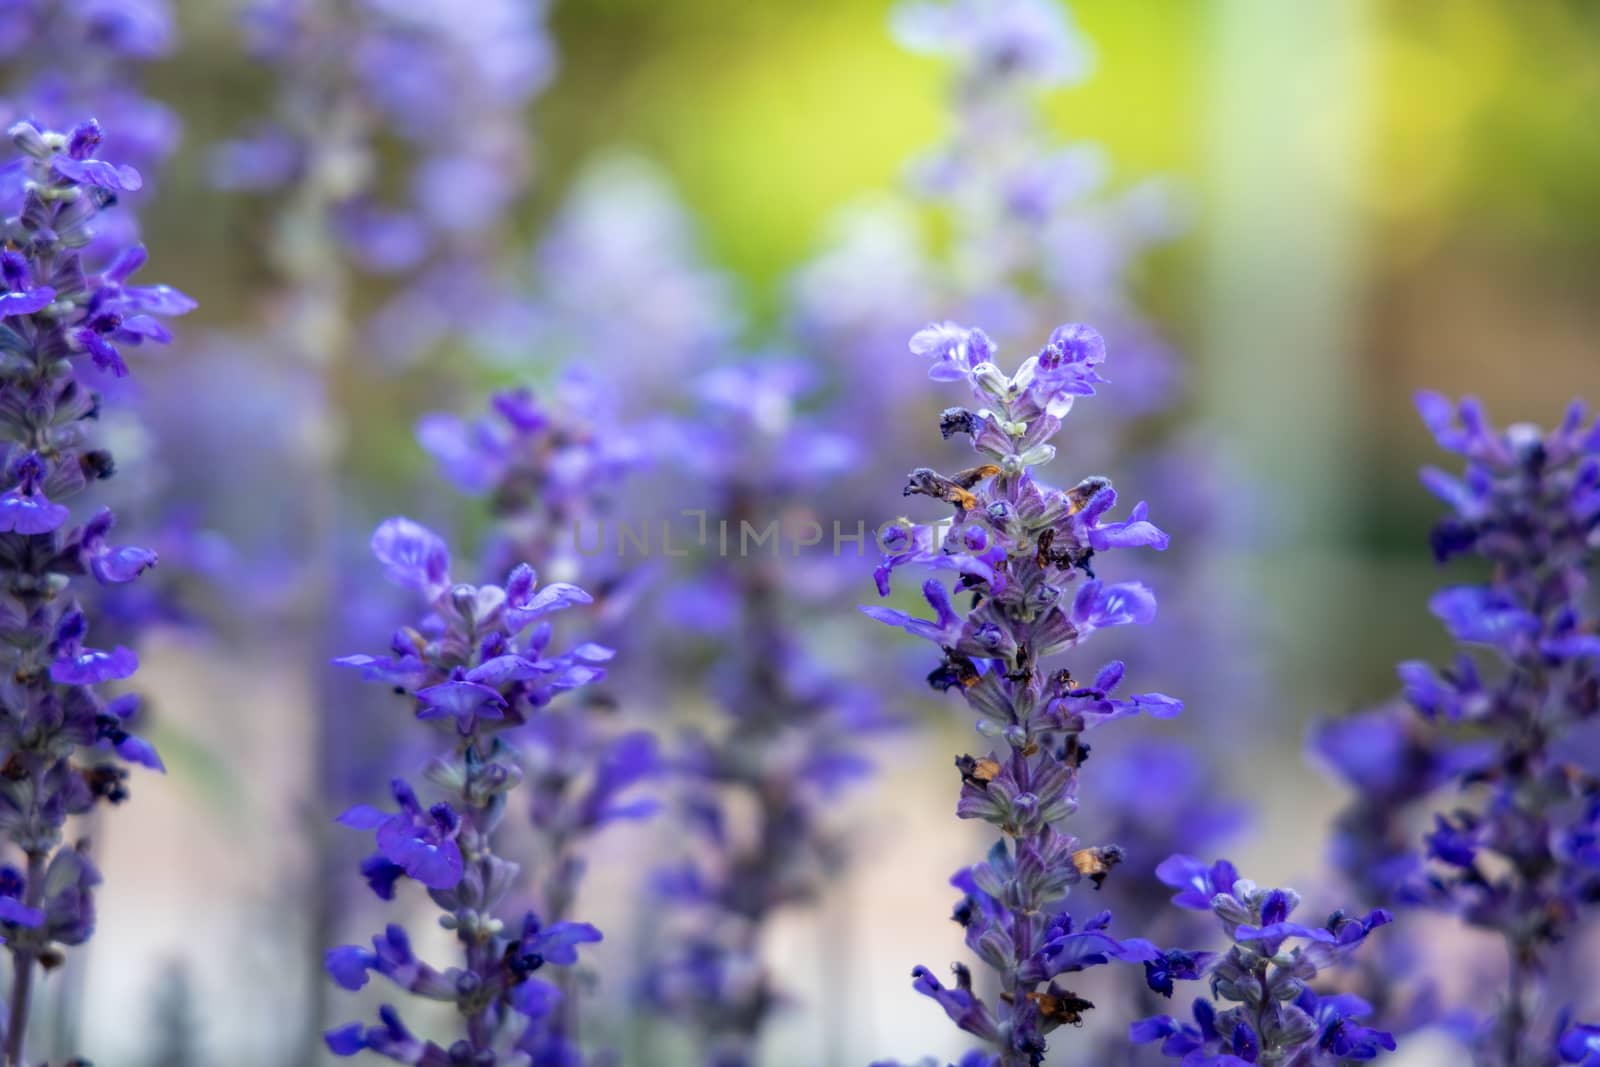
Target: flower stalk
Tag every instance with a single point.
(1025, 553)
(66, 316)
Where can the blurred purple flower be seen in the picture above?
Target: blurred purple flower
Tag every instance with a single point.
(1498, 727)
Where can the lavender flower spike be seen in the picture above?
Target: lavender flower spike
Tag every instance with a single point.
(64, 323)
(1024, 551)
(476, 666)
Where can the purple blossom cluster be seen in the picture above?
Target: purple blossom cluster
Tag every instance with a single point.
(477, 666)
(112, 44)
(398, 154)
(548, 467)
(1040, 229)
(1025, 553)
(67, 314)
(1514, 853)
(1265, 977)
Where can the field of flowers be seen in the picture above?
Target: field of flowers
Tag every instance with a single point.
(606, 533)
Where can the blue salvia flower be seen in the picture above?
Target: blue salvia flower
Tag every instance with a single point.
(65, 322)
(1025, 554)
(1272, 1013)
(1040, 228)
(997, 44)
(757, 784)
(1040, 231)
(478, 665)
(622, 262)
(1517, 855)
(1394, 763)
(551, 470)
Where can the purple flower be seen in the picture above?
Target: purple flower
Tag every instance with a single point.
(1197, 882)
(1508, 851)
(945, 630)
(1174, 965)
(413, 556)
(92, 666)
(23, 297)
(959, 1002)
(1178, 1039)
(112, 564)
(23, 507)
(527, 602)
(348, 965)
(465, 701)
(1136, 531)
(1271, 1012)
(1455, 842)
(1065, 368)
(790, 729)
(12, 910)
(421, 843)
(956, 351)
(121, 179)
(426, 218)
(1024, 551)
(557, 943)
(1340, 1034)
(508, 982)
(1098, 606)
(389, 1038)
(475, 667)
(138, 302)
(1089, 707)
(392, 957)
(1580, 1044)
(624, 763)
(1484, 616)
